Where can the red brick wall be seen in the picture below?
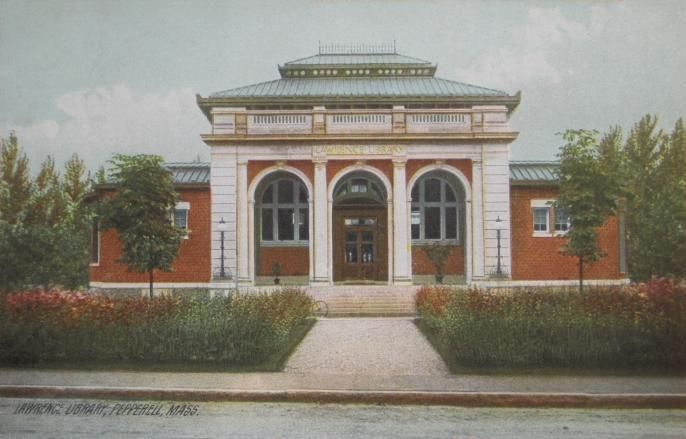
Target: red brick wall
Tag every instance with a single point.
(193, 262)
(294, 261)
(539, 258)
(422, 265)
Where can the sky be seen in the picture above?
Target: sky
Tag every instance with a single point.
(120, 76)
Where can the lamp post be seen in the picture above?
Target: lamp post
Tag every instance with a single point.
(498, 270)
(222, 228)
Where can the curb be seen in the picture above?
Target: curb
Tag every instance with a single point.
(463, 399)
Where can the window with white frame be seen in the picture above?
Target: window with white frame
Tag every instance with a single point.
(541, 219)
(180, 216)
(547, 220)
(561, 221)
(434, 215)
(284, 212)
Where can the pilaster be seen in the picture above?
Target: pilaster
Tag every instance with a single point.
(321, 233)
(477, 221)
(401, 249)
(243, 226)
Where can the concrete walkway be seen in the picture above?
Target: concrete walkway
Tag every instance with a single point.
(366, 346)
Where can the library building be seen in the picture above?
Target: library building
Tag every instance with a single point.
(361, 166)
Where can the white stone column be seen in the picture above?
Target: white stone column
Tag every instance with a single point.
(320, 228)
(477, 221)
(244, 233)
(401, 258)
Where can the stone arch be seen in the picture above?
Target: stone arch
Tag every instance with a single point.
(467, 190)
(256, 182)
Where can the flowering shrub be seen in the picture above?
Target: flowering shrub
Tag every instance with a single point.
(640, 325)
(239, 329)
(433, 300)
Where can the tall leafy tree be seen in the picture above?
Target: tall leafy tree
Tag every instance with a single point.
(655, 175)
(589, 191)
(140, 212)
(15, 181)
(43, 223)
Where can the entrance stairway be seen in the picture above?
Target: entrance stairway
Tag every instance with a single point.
(365, 300)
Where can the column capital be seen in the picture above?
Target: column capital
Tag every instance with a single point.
(242, 161)
(319, 161)
(399, 162)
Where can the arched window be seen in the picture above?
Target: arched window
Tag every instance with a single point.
(284, 212)
(359, 189)
(435, 208)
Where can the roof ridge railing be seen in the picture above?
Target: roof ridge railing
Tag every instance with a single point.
(357, 48)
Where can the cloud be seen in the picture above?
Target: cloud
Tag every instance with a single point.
(525, 59)
(100, 122)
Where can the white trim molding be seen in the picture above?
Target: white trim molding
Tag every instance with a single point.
(549, 283)
(156, 285)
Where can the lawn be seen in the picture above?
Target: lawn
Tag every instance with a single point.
(239, 333)
(631, 329)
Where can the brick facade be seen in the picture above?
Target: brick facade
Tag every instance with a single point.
(193, 262)
(422, 265)
(539, 257)
(294, 261)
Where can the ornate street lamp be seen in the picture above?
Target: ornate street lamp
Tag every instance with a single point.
(222, 227)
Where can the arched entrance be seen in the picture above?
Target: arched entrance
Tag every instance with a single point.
(360, 235)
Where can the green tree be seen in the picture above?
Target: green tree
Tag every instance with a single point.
(15, 181)
(44, 223)
(589, 191)
(655, 186)
(140, 212)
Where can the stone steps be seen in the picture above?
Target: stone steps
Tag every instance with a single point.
(369, 306)
(366, 300)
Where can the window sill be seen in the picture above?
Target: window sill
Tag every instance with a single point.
(451, 242)
(542, 235)
(284, 243)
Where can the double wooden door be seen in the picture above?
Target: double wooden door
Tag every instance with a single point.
(360, 244)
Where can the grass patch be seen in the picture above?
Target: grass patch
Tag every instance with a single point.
(614, 330)
(274, 363)
(456, 368)
(242, 332)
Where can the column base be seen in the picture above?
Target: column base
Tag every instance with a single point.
(402, 281)
(322, 282)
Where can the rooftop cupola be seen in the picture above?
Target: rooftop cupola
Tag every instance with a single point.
(360, 60)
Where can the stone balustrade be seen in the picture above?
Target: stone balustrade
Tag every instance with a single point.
(239, 121)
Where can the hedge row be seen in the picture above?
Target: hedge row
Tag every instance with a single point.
(638, 326)
(235, 330)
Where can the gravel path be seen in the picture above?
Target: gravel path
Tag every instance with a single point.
(366, 346)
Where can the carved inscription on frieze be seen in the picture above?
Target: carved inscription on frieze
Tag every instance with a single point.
(329, 150)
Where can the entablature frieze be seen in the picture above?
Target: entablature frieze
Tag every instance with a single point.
(325, 153)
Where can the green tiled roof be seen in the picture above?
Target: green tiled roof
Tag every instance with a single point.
(532, 173)
(359, 87)
(358, 58)
(193, 173)
(358, 78)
